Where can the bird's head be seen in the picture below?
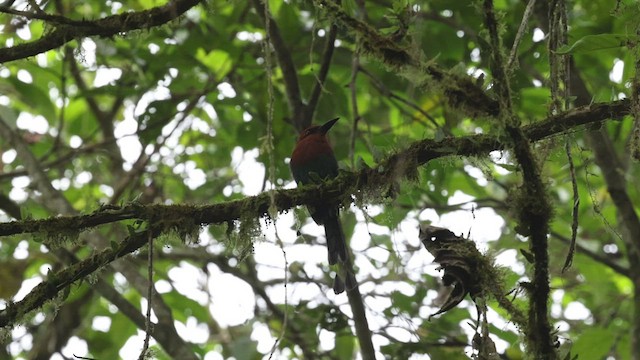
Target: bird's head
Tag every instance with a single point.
(317, 130)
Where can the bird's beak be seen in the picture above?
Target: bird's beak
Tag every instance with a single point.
(326, 126)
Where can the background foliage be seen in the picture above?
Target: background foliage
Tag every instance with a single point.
(137, 103)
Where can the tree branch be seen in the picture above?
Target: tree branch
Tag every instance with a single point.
(532, 204)
(401, 164)
(460, 91)
(108, 26)
(614, 265)
(322, 74)
(398, 165)
(49, 288)
(54, 201)
(104, 118)
(289, 74)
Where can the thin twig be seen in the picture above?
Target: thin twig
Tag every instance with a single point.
(576, 206)
(603, 259)
(392, 95)
(143, 159)
(356, 301)
(53, 199)
(289, 73)
(61, 116)
(285, 317)
(147, 323)
(268, 143)
(323, 72)
(105, 119)
(559, 84)
(355, 64)
(521, 30)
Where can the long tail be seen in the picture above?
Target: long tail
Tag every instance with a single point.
(336, 244)
(337, 249)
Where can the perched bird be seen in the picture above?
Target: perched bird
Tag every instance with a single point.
(313, 161)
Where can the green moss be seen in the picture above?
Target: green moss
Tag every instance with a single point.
(169, 238)
(242, 236)
(56, 232)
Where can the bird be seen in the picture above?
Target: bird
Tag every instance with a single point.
(312, 162)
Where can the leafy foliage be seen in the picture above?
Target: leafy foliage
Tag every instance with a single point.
(199, 103)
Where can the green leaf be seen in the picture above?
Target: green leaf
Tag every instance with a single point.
(158, 114)
(344, 346)
(34, 97)
(593, 343)
(218, 61)
(8, 115)
(597, 42)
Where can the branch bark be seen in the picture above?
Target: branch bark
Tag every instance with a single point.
(105, 119)
(67, 29)
(398, 165)
(54, 201)
(532, 205)
(289, 73)
(57, 282)
(49, 289)
(401, 164)
(460, 91)
(613, 172)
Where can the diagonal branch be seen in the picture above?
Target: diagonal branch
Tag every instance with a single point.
(521, 30)
(62, 159)
(104, 118)
(310, 108)
(382, 88)
(603, 259)
(57, 203)
(39, 14)
(54, 201)
(108, 26)
(460, 90)
(50, 288)
(164, 333)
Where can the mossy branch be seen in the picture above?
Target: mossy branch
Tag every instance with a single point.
(532, 205)
(49, 288)
(69, 29)
(367, 181)
(460, 91)
(363, 183)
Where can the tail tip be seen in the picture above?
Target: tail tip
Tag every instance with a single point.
(338, 285)
(350, 283)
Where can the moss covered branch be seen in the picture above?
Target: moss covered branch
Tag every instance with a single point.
(185, 218)
(402, 164)
(68, 29)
